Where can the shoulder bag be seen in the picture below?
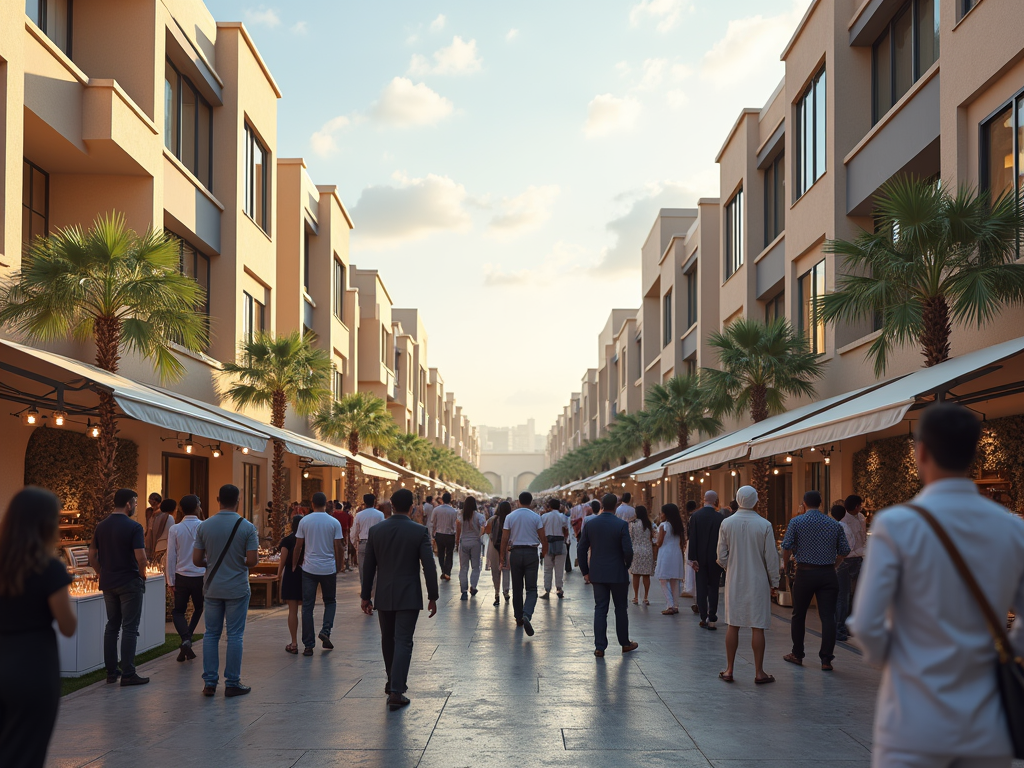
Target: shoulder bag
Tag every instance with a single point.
(227, 546)
(1009, 668)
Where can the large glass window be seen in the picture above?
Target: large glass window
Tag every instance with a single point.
(196, 265)
(339, 384)
(257, 170)
(1002, 140)
(734, 234)
(666, 319)
(638, 349)
(811, 286)
(188, 125)
(775, 308)
(35, 203)
(54, 17)
(774, 199)
(339, 290)
(253, 316)
(810, 134)
(904, 51)
(691, 297)
(305, 260)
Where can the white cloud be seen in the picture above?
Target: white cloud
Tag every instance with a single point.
(666, 13)
(459, 58)
(322, 141)
(512, 34)
(676, 99)
(564, 260)
(654, 74)
(262, 16)
(607, 114)
(403, 103)
(300, 27)
(411, 209)
(750, 45)
(438, 24)
(526, 211)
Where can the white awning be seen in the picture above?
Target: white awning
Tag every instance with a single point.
(370, 466)
(403, 471)
(882, 407)
(657, 470)
(151, 404)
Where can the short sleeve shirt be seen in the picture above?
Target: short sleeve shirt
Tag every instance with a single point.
(554, 523)
(318, 530)
(365, 520)
(815, 538)
(524, 527)
(626, 512)
(30, 611)
(232, 579)
(116, 538)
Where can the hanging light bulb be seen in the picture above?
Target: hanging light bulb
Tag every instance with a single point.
(775, 471)
(189, 445)
(828, 460)
(812, 449)
(93, 430)
(305, 474)
(702, 480)
(789, 459)
(217, 451)
(30, 418)
(59, 418)
(733, 473)
(245, 450)
(692, 478)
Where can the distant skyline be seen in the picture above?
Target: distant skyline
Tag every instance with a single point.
(504, 163)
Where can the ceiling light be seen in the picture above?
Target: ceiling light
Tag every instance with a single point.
(59, 418)
(30, 418)
(692, 478)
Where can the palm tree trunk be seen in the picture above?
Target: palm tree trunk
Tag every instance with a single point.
(278, 490)
(758, 403)
(353, 469)
(935, 334)
(107, 335)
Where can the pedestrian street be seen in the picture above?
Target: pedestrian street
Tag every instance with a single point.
(484, 695)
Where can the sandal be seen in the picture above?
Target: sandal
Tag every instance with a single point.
(646, 601)
(290, 648)
(727, 678)
(635, 601)
(764, 680)
(793, 659)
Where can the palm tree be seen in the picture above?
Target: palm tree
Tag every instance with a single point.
(761, 365)
(355, 418)
(123, 291)
(408, 450)
(278, 371)
(632, 432)
(935, 259)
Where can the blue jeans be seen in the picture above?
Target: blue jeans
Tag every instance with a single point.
(328, 591)
(234, 611)
(124, 613)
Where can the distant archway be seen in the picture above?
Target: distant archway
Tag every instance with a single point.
(495, 480)
(523, 481)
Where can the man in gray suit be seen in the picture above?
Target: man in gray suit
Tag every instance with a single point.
(397, 548)
(606, 552)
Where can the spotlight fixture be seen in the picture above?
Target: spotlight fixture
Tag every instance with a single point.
(702, 480)
(59, 418)
(623, 485)
(30, 418)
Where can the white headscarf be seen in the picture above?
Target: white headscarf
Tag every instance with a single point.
(746, 497)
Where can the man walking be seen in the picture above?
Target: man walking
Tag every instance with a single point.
(818, 545)
(606, 552)
(556, 531)
(625, 511)
(320, 538)
(118, 555)
(184, 579)
(156, 532)
(703, 556)
(858, 531)
(938, 703)
(396, 550)
(445, 520)
(524, 533)
(366, 518)
(227, 545)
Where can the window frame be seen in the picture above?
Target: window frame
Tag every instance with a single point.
(185, 248)
(185, 82)
(306, 245)
(808, 306)
(775, 307)
(28, 193)
(252, 140)
(254, 316)
(666, 318)
(339, 289)
(1015, 105)
(734, 234)
(41, 20)
(774, 216)
(809, 96)
(692, 297)
(916, 70)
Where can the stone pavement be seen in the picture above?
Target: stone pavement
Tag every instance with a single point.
(484, 695)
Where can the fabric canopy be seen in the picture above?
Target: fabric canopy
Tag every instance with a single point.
(656, 470)
(370, 466)
(882, 407)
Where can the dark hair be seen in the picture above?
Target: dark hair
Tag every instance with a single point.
(189, 504)
(838, 511)
(347, 506)
(228, 496)
(503, 510)
(734, 505)
(671, 514)
(402, 500)
(554, 503)
(123, 496)
(295, 523)
(469, 508)
(526, 498)
(643, 516)
(608, 501)
(691, 505)
(950, 434)
(852, 502)
(156, 496)
(812, 500)
(369, 499)
(596, 506)
(430, 499)
(446, 498)
(626, 497)
(319, 499)
(168, 506)
(28, 531)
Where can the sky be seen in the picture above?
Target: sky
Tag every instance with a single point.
(504, 162)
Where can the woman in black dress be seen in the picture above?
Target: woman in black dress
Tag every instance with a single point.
(33, 592)
(291, 584)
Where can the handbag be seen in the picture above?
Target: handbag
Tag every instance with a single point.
(227, 546)
(1009, 667)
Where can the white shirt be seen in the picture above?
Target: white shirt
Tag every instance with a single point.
(365, 520)
(856, 536)
(445, 519)
(318, 531)
(181, 540)
(625, 512)
(524, 525)
(914, 616)
(554, 523)
(580, 510)
(428, 517)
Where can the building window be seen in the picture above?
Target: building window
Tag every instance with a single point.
(691, 297)
(257, 170)
(194, 264)
(623, 368)
(666, 319)
(339, 384)
(774, 199)
(775, 308)
(905, 50)
(188, 125)
(383, 346)
(339, 290)
(812, 287)
(35, 203)
(810, 134)
(398, 368)
(638, 353)
(305, 260)
(55, 18)
(963, 7)
(691, 366)
(734, 234)
(1002, 141)
(253, 316)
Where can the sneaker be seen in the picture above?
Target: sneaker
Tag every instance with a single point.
(308, 652)
(326, 640)
(133, 680)
(236, 690)
(465, 596)
(528, 627)
(546, 596)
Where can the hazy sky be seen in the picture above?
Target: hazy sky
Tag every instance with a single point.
(503, 162)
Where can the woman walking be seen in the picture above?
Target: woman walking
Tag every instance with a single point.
(291, 583)
(670, 556)
(33, 593)
(468, 530)
(641, 534)
(500, 573)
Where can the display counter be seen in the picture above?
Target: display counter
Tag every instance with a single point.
(83, 651)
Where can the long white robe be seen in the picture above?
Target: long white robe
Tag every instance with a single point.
(747, 551)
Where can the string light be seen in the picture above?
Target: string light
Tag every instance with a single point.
(217, 451)
(245, 450)
(93, 430)
(189, 445)
(59, 418)
(775, 471)
(789, 459)
(30, 417)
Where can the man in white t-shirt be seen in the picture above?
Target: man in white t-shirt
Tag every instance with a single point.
(320, 539)
(519, 545)
(556, 531)
(625, 511)
(365, 519)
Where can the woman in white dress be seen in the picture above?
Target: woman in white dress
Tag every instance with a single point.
(669, 569)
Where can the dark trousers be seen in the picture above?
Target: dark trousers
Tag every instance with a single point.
(603, 594)
(524, 564)
(708, 577)
(821, 584)
(445, 551)
(186, 587)
(124, 612)
(328, 591)
(396, 631)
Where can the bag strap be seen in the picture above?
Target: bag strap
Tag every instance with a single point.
(995, 626)
(227, 546)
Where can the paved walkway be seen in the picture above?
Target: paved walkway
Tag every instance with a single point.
(484, 695)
